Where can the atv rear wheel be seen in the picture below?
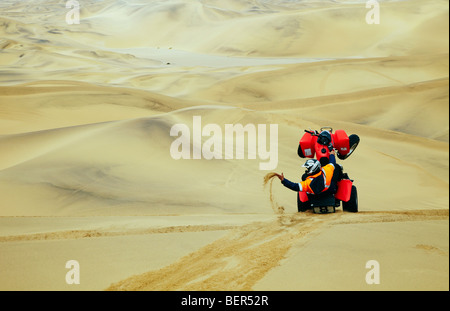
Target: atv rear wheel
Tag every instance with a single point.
(302, 206)
(353, 143)
(352, 204)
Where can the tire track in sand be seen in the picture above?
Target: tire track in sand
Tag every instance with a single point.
(234, 262)
(242, 257)
(95, 233)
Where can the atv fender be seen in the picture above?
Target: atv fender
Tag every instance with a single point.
(344, 190)
(341, 142)
(303, 196)
(306, 146)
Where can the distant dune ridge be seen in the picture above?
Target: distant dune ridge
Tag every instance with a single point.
(86, 111)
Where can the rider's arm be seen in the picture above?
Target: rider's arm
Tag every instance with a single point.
(291, 185)
(333, 158)
(330, 160)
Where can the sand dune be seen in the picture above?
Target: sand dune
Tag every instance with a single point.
(88, 161)
(86, 171)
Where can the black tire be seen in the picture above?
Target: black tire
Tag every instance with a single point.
(353, 142)
(302, 206)
(300, 152)
(352, 204)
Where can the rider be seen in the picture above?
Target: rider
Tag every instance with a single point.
(317, 178)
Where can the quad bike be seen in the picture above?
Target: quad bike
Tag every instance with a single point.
(320, 144)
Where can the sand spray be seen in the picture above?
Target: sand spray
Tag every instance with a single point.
(277, 209)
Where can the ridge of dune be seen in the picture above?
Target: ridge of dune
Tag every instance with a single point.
(426, 115)
(313, 79)
(81, 165)
(85, 162)
(42, 105)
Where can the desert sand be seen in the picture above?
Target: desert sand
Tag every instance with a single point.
(86, 172)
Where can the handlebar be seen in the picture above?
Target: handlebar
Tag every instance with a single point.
(316, 133)
(313, 133)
